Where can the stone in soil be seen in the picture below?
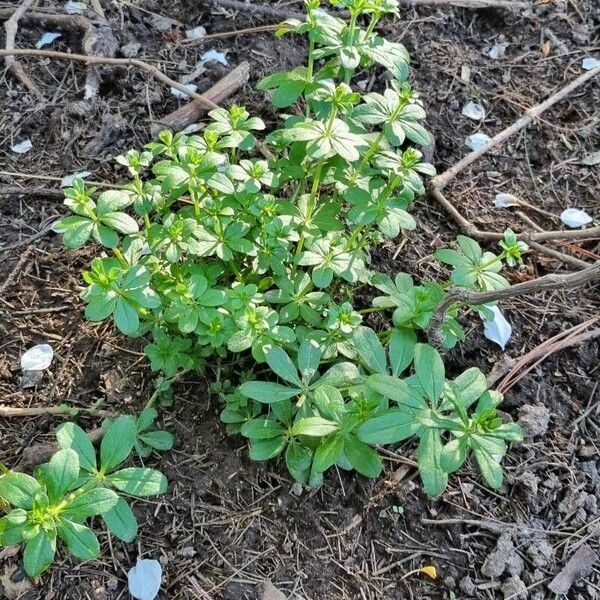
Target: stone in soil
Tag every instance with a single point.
(534, 419)
(503, 558)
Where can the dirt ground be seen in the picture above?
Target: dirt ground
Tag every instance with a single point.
(228, 525)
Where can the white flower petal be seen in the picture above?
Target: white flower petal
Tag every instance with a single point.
(589, 63)
(197, 33)
(179, 94)
(47, 39)
(37, 358)
(575, 217)
(214, 55)
(505, 200)
(474, 111)
(22, 147)
(497, 329)
(497, 51)
(75, 8)
(67, 180)
(476, 140)
(144, 579)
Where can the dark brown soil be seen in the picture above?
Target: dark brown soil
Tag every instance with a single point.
(227, 524)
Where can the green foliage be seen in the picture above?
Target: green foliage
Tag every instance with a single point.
(76, 485)
(247, 254)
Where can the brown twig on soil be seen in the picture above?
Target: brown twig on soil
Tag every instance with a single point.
(191, 112)
(13, 274)
(547, 282)
(10, 412)
(508, 4)
(262, 9)
(441, 181)
(116, 62)
(11, 26)
(515, 369)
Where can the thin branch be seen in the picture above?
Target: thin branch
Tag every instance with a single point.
(442, 180)
(469, 228)
(547, 282)
(11, 26)
(117, 62)
(9, 412)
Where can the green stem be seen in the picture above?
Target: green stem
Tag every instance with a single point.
(372, 309)
(351, 29)
(120, 256)
(310, 67)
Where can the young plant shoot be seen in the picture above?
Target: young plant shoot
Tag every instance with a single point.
(223, 251)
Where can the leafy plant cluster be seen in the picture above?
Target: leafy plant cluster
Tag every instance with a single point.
(76, 485)
(246, 257)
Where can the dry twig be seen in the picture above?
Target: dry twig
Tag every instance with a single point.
(191, 112)
(441, 181)
(9, 412)
(547, 282)
(116, 62)
(11, 26)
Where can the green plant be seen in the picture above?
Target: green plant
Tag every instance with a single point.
(73, 486)
(251, 254)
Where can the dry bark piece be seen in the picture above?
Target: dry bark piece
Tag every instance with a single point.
(580, 565)
(191, 112)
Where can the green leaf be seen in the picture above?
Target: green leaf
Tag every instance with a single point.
(329, 401)
(397, 390)
(314, 427)
(428, 455)
(282, 365)
(113, 200)
(126, 317)
(362, 457)
(70, 435)
(121, 222)
(159, 440)
(454, 454)
(76, 230)
(309, 357)
(298, 459)
(121, 521)
(429, 369)
(370, 350)
(489, 467)
(62, 473)
(392, 426)
(139, 481)
(39, 553)
(328, 453)
(267, 392)
(266, 449)
(118, 442)
(401, 349)
(13, 527)
(146, 419)
(91, 503)
(81, 540)
(261, 429)
(19, 489)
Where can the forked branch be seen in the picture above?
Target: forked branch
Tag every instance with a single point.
(547, 282)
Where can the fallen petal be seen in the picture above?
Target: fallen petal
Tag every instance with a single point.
(144, 579)
(47, 39)
(497, 329)
(197, 33)
(179, 94)
(22, 147)
(476, 140)
(505, 200)
(474, 111)
(37, 358)
(575, 217)
(589, 63)
(75, 8)
(214, 55)
(67, 180)
(497, 51)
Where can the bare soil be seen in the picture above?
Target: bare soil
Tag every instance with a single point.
(228, 525)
